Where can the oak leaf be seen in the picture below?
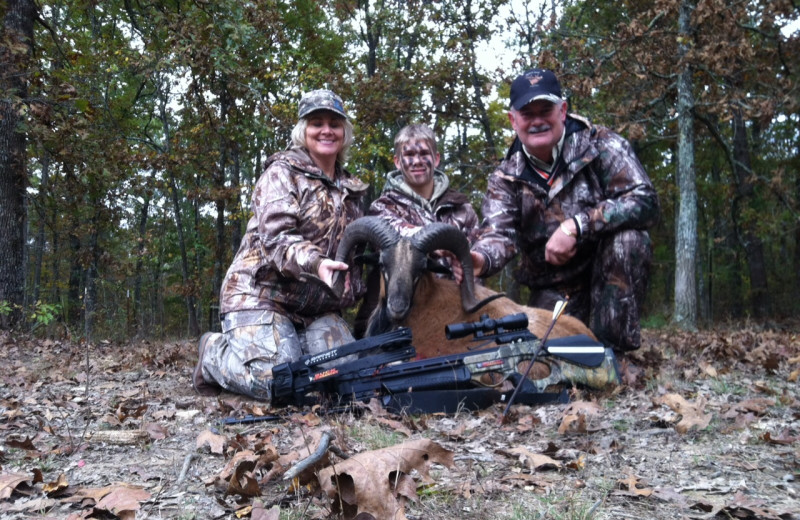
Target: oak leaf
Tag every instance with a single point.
(630, 486)
(692, 415)
(534, 461)
(123, 501)
(10, 481)
(216, 443)
(379, 482)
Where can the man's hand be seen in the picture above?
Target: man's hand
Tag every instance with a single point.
(326, 269)
(562, 247)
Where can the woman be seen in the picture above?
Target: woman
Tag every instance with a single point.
(276, 303)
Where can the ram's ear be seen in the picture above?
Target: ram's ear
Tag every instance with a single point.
(367, 258)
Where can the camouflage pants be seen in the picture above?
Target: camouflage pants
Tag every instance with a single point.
(241, 358)
(610, 301)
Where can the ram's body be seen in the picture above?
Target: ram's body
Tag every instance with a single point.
(437, 303)
(412, 296)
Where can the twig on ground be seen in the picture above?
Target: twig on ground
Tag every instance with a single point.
(185, 469)
(324, 445)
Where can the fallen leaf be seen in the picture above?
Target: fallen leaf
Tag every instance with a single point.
(709, 370)
(692, 414)
(534, 461)
(10, 481)
(156, 431)
(123, 501)
(758, 405)
(631, 487)
(23, 444)
(243, 482)
(52, 488)
(395, 425)
(782, 438)
(216, 443)
(379, 482)
(259, 513)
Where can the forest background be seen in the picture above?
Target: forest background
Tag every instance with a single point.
(131, 134)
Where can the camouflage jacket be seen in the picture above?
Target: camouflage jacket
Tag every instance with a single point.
(298, 219)
(602, 183)
(407, 211)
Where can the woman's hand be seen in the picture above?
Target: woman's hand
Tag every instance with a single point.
(326, 269)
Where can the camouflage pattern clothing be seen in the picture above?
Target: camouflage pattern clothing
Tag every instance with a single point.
(298, 219)
(408, 212)
(600, 182)
(274, 306)
(240, 359)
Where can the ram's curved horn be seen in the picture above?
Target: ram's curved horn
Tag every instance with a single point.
(438, 235)
(374, 231)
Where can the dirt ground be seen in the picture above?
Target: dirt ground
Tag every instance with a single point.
(706, 426)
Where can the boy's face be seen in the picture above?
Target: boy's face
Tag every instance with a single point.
(417, 161)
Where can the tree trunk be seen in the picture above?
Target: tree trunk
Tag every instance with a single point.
(753, 246)
(188, 286)
(40, 232)
(685, 310)
(90, 293)
(15, 54)
(236, 213)
(796, 262)
(138, 312)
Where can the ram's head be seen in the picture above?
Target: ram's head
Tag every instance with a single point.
(403, 261)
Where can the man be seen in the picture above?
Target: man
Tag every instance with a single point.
(417, 193)
(575, 202)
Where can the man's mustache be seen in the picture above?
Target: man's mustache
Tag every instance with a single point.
(538, 129)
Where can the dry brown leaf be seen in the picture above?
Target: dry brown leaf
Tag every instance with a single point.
(395, 425)
(93, 494)
(156, 431)
(259, 513)
(10, 481)
(243, 482)
(574, 416)
(709, 370)
(236, 460)
(123, 501)
(52, 488)
(378, 482)
(692, 414)
(631, 485)
(783, 438)
(22, 444)
(216, 443)
(534, 461)
(758, 405)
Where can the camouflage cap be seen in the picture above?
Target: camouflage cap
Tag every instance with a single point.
(320, 100)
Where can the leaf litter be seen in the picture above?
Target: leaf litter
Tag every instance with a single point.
(707, 425)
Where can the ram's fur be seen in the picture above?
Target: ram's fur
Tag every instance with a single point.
(412, 296)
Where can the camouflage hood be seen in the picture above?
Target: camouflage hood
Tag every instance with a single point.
(395, 181)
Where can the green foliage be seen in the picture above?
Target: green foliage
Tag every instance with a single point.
(45, 313)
